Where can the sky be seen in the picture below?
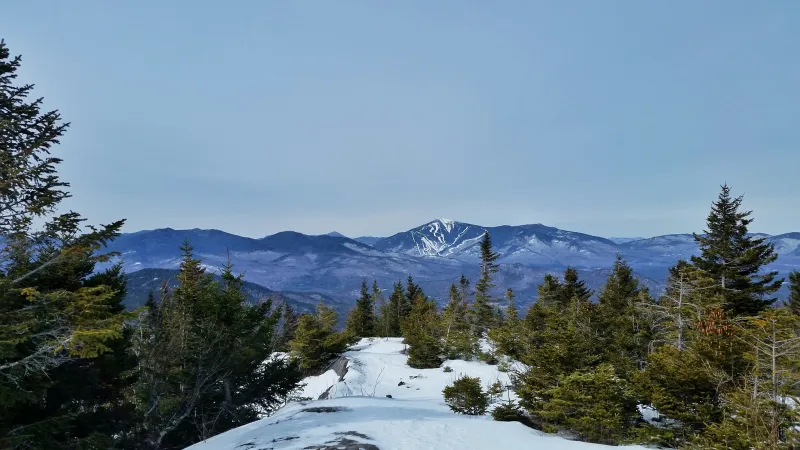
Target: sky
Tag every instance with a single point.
(613, 118)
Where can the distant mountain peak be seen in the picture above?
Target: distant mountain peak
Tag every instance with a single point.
(336, 234)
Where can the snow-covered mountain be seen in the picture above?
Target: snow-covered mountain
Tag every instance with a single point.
(378, 402)
(435, 254)
(441, 237)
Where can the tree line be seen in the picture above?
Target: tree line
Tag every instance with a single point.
(710, 362)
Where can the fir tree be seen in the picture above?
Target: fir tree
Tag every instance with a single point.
(316, 341)
(508, 336)
(574, 288)
(459, 341)
(62, 331)
(735, 260)
(422, 332)
(205, 364)
(793, 301)
(623, 331)
(394, 310)
(483, 314)
(549, 292)
(361, 322)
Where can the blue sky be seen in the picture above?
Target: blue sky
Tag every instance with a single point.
(615, 118)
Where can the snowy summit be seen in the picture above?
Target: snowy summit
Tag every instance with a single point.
(380, 403)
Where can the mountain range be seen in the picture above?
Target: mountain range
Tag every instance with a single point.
(331, 266)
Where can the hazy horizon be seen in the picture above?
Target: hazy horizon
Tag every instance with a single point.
(369, 118)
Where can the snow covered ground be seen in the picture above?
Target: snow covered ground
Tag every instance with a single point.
(359, 415)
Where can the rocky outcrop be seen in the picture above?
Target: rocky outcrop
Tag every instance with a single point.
(338, 365)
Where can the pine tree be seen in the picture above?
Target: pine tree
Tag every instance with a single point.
(735, 260)
(483, 314)
(794, 293)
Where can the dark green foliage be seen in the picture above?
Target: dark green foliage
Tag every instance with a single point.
(574, 288)
(680, 386)
(621, 326)
(361, 322)
(508, 336)
(205, 364)
(597, 405)
(459, 341)
(508, 412)
(422, 332)
(793, 302)
(556, 342)
(288, 326)
(316, 341)
(394, 311)
(63, 343)
(734, 260)
(483, 315)
(465, 396)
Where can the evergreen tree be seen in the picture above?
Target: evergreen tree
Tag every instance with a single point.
(597, 405)
(205, 364)
(361, 322)
(550, 291)
(316, 341)
(622, 328)
(378, 302)
(394, 312)
(289, 321)
(794, 293)
(735, 260)
(482, 311)
(574, 288)
(508, 336)
(459, 341)
(422, 332)
(63, 342)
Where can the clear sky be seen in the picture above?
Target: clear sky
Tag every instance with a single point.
(614, 118)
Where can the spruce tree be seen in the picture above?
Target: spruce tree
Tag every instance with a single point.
(361, 322)
(793, 302)
(508, 336)
(394, 311)
(622, 329)
(205, 362)
(422, 332)
(483, 314)
(735, 260)
(62, 330)
(458, 339)
(574, 288)
(549, 292)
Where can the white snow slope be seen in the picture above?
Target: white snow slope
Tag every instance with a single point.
(360, 414)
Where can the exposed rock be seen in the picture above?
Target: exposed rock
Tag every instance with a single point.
(344, 444)
(388, 395)
(402, 383)
(324, 409)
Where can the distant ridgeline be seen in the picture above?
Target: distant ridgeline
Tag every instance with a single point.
(330, 267)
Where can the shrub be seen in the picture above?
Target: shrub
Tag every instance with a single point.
(448, 369)
(487, 357)
(597, 405)
(465, 396)
(508, 412)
